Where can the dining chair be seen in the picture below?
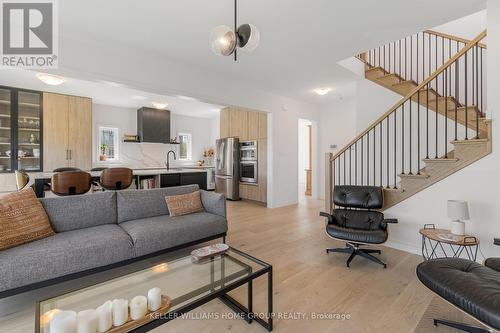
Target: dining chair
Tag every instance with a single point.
(71, 183)
(116, 178)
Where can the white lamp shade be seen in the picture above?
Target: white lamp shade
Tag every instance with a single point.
(223, 40)
(458, 210)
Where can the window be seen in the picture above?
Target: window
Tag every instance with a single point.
(185, 146)
(108, 144)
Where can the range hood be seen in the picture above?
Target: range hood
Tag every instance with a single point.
(153, 125)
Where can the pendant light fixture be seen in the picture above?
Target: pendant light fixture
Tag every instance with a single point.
(225, 41)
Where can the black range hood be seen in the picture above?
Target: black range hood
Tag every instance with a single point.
(153, 125)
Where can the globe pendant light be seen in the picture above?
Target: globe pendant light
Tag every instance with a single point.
(224, 41)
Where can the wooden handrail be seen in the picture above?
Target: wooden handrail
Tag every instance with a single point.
(455, 38)
(466, 48)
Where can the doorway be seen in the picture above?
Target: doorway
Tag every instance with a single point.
(305, 165)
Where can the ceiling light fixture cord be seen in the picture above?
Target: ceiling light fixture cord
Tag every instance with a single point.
(236, 28)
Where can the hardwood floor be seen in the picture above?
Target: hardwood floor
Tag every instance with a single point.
(308, 281)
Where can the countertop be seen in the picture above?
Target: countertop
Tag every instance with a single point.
(137, 172)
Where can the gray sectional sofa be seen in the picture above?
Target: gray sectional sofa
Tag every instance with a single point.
(107, 228)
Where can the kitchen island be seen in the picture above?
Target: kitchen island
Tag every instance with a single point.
(161, 177)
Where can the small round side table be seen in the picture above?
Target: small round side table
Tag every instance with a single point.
(434, 240)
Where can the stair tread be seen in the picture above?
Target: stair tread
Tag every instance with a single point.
(417, 176)
(441, 160)
(405, 82)
(471, 141)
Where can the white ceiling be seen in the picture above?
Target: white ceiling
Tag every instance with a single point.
(110, 93)
(301, 41)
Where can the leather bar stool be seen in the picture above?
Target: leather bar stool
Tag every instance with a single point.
(116, 178)
(63, 169)
(71, 183)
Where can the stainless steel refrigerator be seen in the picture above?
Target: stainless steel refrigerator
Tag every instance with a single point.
(227, 168)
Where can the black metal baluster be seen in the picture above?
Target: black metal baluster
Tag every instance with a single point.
(379, 56)
(477, 92)
(362, 164)
(400, 70)
(466, 100)
(403, 138)
(481, 89)
(427, 122)
(437, 112)
(446, 114)
(457, 93)
(381, 152)
(368, 158)
(390, 63)
(411, 124)
(356, 163)
(411, 57)
(395, 148)
(418, 133)
(350, 165)
(374, 154)
(387, 165)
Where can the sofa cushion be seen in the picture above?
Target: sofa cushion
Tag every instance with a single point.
(140, 204)
(22, 219)
(62, 254)
(162, 232)
(81, 211)
(184, 204)
(357, 235)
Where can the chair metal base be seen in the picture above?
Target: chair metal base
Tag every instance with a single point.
(354, 249)
(461, 326)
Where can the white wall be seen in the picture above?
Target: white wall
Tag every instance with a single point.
(467, 27)
(140, 155)
(303, 150)
(136, 69)
(337, 126)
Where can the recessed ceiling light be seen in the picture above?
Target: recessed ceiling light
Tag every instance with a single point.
(113, 84)
(138, 97)
(322, 91)
(186, 98)
(50, 79)
(159, 106)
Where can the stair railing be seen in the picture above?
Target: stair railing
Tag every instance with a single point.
(420, 126)
(416, 57)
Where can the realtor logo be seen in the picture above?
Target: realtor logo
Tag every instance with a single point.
(29, 34)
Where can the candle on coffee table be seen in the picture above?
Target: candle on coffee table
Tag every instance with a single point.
(63, 322)
(120, 312)
(154, 299)
(138, 307)
(104, 317)
(87, 321)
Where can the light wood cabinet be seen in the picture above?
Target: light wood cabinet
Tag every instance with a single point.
(238, 120)
(67, 132)
(262, 125)
(253, 125)
(224, 123)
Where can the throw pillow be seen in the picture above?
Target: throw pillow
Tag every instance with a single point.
(22, 219)
(184, 204)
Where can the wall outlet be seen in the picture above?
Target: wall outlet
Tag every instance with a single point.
(334, 146)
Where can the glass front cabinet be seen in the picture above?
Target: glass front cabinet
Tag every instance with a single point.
(20, 130)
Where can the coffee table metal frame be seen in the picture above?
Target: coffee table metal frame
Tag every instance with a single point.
(245, 312)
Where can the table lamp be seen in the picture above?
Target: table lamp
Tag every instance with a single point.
(458, 210)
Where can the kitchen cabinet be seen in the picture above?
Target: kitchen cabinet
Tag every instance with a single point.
(253, 125)
(238, 124)
(184, 178)
(153, 125)
(20, 130)
(224, 123)
(67, 132)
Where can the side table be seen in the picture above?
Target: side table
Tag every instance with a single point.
(432, 242)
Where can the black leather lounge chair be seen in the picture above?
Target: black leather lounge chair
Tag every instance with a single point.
(356, 222)
(471, 287)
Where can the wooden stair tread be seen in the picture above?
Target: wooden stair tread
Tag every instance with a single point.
(470, 141)
(414, 175)
(440, 160)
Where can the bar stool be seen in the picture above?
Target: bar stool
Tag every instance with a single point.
(71, 183)
(116, 178)
(22, 179)
(64, 169)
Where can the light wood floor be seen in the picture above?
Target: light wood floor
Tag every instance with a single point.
(307, 280)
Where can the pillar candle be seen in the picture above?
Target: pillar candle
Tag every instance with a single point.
(154, 299)
(63, 322)
(87, 321)
(138, 307)
(105, 317)
(120, 312)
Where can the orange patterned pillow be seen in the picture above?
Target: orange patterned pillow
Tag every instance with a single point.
(184, 204)
(22, 219)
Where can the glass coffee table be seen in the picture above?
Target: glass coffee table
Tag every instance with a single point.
(188, 284)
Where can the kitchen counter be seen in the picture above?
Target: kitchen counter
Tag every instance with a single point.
(164, 177)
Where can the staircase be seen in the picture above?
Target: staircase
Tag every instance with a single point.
(436, 129)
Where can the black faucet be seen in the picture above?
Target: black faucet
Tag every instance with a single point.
(168, 159)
